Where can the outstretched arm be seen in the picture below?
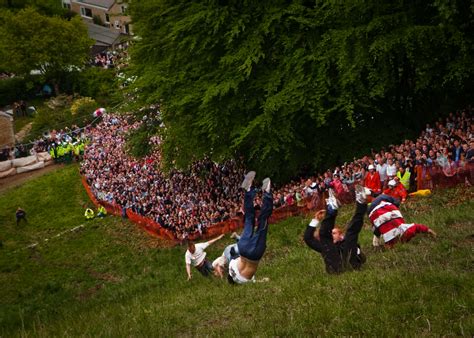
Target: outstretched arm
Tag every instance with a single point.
(309, 238)
(215, 239)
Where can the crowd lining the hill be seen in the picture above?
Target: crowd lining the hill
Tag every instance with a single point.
(190, 202)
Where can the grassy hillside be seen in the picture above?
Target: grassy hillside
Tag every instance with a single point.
(109, 278)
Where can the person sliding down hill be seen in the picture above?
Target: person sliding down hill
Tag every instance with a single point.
(388, 222)
(338, 252)
(252, 243)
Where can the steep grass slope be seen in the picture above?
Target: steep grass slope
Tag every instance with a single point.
(109, 278)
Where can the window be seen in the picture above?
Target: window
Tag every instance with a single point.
(124, 9)
(107, 18)
(87, 12)
(117, 24)
(67, 6)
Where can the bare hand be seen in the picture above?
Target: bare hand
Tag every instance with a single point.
(320, 215)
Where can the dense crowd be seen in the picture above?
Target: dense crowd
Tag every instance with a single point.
(112, 59)
(184, 202)
(189, 202)
(446, 149)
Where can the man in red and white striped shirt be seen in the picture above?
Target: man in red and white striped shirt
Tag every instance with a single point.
(388, 222)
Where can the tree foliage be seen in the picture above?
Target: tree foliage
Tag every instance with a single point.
(297, 84)
(32, 41)
(46, 7)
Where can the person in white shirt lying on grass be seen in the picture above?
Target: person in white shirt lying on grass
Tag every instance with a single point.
(196, 256)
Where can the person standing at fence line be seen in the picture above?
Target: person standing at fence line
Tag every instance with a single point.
(470, 153)
(339, 252)
(253, 242)
(372, 181)
(20, 214)
(196, 256)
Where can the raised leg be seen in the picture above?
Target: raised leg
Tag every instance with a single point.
(352, 236)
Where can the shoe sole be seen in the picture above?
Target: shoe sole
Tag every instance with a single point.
(266, 184)
(249, 177)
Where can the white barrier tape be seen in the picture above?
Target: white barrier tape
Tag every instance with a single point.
(34, 245)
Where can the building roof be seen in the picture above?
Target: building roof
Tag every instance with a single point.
(99, 3)
(103, 36)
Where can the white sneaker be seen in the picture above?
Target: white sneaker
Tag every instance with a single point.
(247, 182)
(332, 201)
(266, 186)
(361, 194)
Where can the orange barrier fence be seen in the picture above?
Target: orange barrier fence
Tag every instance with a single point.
(435, 179)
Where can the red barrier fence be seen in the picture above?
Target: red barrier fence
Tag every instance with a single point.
(435, 178)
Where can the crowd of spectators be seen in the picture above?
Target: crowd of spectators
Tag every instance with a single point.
(112, 59)
(189, 202)
(445, 149)
(184, 202)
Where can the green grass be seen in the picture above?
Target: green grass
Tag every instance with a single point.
(112, 279)
(20, 122)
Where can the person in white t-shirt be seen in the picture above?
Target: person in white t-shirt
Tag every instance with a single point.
(196, 256)
(253, 242)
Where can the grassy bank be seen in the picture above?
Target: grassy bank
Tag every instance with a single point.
(109, 278)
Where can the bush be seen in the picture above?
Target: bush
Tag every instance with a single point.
(12, 90)
(97, 82)
(83, 105)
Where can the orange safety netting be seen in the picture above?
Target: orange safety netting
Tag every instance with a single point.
(428, 179)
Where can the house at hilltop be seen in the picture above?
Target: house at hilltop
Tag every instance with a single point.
(107, 20)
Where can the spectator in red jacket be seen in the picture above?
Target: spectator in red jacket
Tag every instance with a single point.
(372, 181)
(396, 190)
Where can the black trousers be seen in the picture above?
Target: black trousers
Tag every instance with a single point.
(338, 257)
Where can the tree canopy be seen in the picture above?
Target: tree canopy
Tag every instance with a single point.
(291, 85)
(47, 7)
(32, 41)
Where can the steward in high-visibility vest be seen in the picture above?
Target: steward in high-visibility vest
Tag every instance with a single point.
(101, 211)
(76, 150)
(404, 177)
(89, 214)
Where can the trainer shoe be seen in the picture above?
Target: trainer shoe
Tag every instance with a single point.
(267, 185)
(361, 194)
(332, 202)
(247, 182)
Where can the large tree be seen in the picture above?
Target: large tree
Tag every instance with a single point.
(296, 84)
(31, 41)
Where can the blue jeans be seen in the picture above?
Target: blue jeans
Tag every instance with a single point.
(230, 254)
(252, 244)
(232, 251)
